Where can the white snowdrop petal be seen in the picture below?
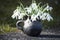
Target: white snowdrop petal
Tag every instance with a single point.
(49, 17)
(13, 16)
(20, 17)
(32, 16)
(48, 8)
(28, 9)
(51, 8)
(34, 6)
(43, 18)
(44, 14)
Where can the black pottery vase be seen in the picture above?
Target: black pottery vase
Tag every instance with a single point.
(31, 28)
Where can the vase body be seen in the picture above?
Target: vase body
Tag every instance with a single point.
(32, 28)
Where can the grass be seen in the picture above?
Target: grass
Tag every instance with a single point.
(5, 28)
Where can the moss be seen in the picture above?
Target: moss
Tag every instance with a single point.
(5, 28)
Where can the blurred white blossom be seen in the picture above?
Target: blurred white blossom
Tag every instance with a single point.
(48, 8)
(34, 6)
(49, 17)
(21, 16)
(43, 16)
(16, 14)
(28, 9)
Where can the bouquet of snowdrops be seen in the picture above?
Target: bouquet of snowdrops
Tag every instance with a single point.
(34, 11)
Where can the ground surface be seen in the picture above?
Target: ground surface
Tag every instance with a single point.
(22, 36)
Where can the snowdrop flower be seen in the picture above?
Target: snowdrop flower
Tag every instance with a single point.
(39, 13)
(48, 8)
(36, 16)
(28, 9)
(34, 6)
(16, 13)
(32, 16)
(43, 16)
(21, 16)
(49, 17)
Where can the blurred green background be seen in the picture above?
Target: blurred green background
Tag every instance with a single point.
(8, 6)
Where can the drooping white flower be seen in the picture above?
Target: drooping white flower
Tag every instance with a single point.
(16, 13)
(48, 8)
(49, 17)
(34, 6)
(28, 9)
(39, 12)
(43, 16)
(21, 16)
